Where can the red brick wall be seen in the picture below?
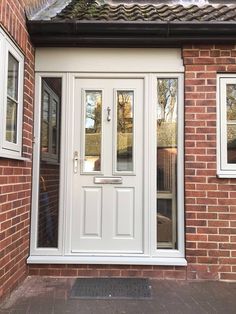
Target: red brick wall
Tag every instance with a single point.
(210, 202)
(15, 176)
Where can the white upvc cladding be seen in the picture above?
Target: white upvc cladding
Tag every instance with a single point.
(112, 60)
(148, 64)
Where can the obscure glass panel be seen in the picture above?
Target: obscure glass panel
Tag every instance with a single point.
(93, 118)
(125, 107)
(49, 168)
(12, 77)
(166, 128)
(231, 101)
(45, 122)
(11, 121)
(231, 143)
(164, 221)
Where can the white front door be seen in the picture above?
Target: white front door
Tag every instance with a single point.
(107, 194)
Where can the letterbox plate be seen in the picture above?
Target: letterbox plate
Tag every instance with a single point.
(108, 180)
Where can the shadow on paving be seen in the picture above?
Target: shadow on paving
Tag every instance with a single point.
(52, 295)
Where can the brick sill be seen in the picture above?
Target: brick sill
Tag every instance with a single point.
(124, 260)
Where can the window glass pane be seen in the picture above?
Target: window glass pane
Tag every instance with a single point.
(11, 121)
(45, 122)
(93, 118)
(12, 77)
(49, 168)
(231, 143)
(125, 104)
(231, 101)
(166, 162)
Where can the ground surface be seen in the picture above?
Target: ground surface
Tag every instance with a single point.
(52, 295)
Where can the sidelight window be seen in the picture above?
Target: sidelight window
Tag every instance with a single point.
(166, 124)
(49, 164)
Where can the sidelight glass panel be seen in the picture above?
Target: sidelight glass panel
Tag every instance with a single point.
(93, 129)
(166, 127)
(49, 167)
(125, 116)
(164, 221)
(231, 123)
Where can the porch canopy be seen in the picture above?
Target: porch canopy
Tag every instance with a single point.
(102, 23)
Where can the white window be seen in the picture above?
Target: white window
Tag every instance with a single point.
(11, 98)
(226, 141)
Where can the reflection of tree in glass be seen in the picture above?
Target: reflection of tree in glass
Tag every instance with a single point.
(124, 112)
(93, 112)
(231, 101)
(167, 94)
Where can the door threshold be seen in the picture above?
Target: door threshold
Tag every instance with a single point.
(124, 260)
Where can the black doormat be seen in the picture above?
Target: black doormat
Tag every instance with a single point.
(111, 288)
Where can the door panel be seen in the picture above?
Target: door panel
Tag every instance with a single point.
(124, 216)
(92, 212)
(108, 135)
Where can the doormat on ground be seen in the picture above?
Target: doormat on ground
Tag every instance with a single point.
(111, 288)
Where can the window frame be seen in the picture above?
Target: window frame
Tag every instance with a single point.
(10, 149)
(224, 169)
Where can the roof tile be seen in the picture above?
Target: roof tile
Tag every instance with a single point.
(90, 10)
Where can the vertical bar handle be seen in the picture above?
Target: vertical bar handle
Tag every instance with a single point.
(108, 114)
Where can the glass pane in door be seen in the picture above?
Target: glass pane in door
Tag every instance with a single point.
(93, 128)
(125, 115)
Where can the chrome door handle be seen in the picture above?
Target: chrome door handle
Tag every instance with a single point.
(75, 161)
(108, 114)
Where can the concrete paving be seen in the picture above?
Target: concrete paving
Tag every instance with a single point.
(52, 296)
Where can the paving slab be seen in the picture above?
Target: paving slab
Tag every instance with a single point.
(46, 295)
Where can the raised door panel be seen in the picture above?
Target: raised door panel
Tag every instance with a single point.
(124, 213)
(92, 213)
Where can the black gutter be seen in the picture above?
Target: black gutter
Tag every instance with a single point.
(128, 34)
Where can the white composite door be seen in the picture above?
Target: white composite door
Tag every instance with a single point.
(107, 194)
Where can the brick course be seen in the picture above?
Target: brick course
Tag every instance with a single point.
(15, 176)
